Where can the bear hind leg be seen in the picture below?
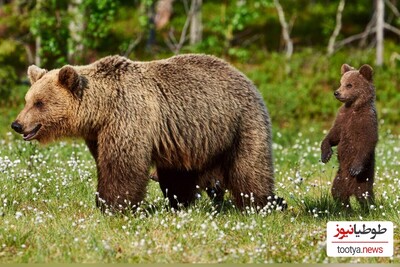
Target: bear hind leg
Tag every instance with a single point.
(249, 175)
(342, 190)
(215, 192)
(364, 193)
(179, 186)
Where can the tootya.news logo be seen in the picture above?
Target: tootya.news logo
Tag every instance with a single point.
(359, 239)
(342, 232)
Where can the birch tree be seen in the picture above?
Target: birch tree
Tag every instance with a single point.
(76, 28)
(380, 14)
(38, 39)
(332, 40)
(285, 29)
(196, 27)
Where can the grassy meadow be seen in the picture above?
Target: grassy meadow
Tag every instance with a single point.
(48, 213)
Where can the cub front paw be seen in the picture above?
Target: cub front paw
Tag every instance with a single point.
(326, 155)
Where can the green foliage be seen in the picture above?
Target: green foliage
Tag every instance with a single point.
(49, 22)
(10, 57)
(247, 33)
(8, 80)
(228, 19)
(244, 13)
(301, 90)
(98, 18)
(234, 28)
(145, 10)
(13, 34)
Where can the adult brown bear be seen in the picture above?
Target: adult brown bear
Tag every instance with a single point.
(198, 119)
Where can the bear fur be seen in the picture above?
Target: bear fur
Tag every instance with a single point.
(195, 117)
(355, 132)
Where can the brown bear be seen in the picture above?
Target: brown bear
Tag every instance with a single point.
(355, 132)
(195, 117)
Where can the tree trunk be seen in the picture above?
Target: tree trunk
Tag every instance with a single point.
(163, 13)
(380, 24)
(196, 26)
(38, 45)
(285, 29)
(29, 53)
(76, 28)
(332, 40)
(38, 39)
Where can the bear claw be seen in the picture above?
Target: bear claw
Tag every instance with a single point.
(325, 157)
(354, 171)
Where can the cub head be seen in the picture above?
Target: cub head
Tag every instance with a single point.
(49, 104)
(356, 86)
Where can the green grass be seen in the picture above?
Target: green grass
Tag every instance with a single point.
(48, 213)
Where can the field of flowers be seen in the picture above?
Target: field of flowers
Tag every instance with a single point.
(48, 213)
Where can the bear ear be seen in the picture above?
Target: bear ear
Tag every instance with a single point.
(345, 68)
(35, 73)
(69, 78)
(366, 71)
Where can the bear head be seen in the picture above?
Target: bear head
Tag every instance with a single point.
(49, 104)
(356, 86)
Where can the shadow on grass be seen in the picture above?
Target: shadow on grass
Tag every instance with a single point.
(325, 206)
(202, 205)
(322, 207)
(207, 205)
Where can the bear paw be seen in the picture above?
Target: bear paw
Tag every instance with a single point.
(326, 155)
(355, 170)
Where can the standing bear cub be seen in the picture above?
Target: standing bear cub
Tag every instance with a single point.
(355, 132)
(196, 118)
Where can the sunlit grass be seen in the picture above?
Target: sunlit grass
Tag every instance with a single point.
(48, 213)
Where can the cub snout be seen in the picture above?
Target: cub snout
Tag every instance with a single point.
(336, 94)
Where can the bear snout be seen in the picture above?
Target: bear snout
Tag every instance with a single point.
(17, 127)
(339, 96)
(336, 94)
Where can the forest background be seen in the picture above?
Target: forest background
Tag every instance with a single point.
(292, 50)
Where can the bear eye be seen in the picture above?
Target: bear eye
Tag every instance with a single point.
(38, 104)
(349, 85)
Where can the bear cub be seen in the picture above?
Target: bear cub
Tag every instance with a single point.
(355, 132)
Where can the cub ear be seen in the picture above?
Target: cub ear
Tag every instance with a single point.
(69, 78)
(345, 68)
(35, 73)
(366, 71)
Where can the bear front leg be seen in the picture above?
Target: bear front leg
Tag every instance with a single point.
(92, 145)
(122, 173)
(120, 192)
(332, 139)
(326, 151)
(326, 146)
(249, 173)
